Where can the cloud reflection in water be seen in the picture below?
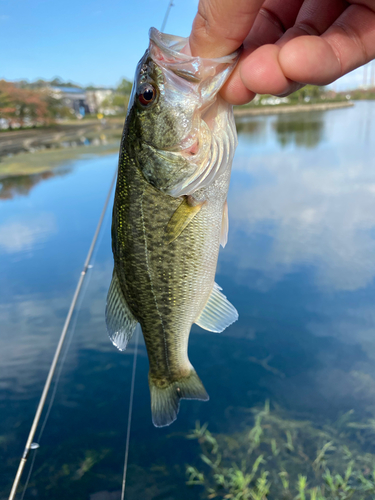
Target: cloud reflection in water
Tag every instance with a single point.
(20, 235)
(292, 209)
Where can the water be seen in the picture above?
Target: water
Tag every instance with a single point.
(299, 266)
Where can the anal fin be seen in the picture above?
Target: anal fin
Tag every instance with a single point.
(218, 312)
(182, 217)
(119, 320)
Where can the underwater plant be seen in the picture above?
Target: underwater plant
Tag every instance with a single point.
(277, 458)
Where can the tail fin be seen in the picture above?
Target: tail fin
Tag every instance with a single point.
(165, 402)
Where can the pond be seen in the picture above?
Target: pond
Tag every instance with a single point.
(299, 266)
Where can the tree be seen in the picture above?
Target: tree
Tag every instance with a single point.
(308, 92)
(125, 87)
(17, 104)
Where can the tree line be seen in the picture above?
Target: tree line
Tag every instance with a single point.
(24, 104)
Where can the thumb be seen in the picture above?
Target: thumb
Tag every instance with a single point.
(221, 26)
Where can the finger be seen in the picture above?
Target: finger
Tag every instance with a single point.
(220, 27)
(235, 92)
(314, 18)
(256, 77)
(274, 18)
(302, 59)
(262, 71)
(346, 45)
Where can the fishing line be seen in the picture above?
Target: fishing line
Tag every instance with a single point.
(130, 413)
(56, 357)
(63, 359)
(170, 5)
(135, 351)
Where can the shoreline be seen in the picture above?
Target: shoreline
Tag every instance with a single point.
(60, 136)
(294, 108)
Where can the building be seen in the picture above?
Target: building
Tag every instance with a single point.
(95, 98)
(72, 97)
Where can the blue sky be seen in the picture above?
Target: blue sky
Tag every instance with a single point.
(89, 41)
(86, 41)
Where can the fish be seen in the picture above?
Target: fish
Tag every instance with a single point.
(170, 215)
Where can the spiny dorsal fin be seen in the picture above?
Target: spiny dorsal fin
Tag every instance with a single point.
(182, 217)
(119, 320)
(224, 226)
(218, 312)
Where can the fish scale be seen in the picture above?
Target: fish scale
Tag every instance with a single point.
(166, 246)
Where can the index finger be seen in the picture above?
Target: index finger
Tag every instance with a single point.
(221, 26)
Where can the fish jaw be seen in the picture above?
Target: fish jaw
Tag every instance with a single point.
(189, 131)
(173, 54)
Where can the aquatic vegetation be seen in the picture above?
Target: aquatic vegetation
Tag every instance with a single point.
(282, 459)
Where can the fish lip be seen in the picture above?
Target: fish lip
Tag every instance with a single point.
(203, 76)
(173, 45)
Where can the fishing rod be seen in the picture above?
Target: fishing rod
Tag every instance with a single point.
(30, 445)
(166, 16)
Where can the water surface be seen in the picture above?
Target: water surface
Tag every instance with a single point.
(299, 266)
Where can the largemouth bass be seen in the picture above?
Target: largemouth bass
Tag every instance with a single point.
(170, 215)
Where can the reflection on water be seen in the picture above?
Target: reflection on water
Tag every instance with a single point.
(17, 236)
(252, 128)
(22, 184)
(295, 129)
(305, 129)
(299, 266)
(60, 136)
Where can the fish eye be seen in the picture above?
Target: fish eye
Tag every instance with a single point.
(146, 94)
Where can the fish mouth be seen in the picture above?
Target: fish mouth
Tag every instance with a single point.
(188, 146)
(206, 75)
(210, 139)
(176, 48)
(193, 149)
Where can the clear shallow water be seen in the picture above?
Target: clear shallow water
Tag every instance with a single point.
(299, 266)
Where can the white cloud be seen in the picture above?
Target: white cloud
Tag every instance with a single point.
(357, 78)
(32, 324)
(313, 210)
(20, 236)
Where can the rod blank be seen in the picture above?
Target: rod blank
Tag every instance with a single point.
(52, 369)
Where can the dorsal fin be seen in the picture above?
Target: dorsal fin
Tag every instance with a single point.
(218, 312)
(119, 320)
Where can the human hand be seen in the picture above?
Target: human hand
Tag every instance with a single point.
(287, 43)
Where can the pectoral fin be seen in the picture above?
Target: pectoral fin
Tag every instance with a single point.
(182, 217)
(224, 226)
(119, 320)
(218, 312)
